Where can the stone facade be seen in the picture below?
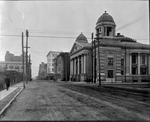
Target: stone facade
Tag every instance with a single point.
(113, 58)
(80, 60)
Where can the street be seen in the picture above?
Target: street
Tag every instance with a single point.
(49, 100)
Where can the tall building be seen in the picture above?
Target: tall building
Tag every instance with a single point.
(13, 66)
(12, 63)
(110, 57)
(43, 70)
(50, 63)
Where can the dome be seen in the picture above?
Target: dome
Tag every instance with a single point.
(105, 18)
(81, 39)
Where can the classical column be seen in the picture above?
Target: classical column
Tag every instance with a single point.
(70, 66)
(149, 64)
(74, 66)
(130, 63)
(78, 65)
(82, 59)
(139, 63)
(84, 63)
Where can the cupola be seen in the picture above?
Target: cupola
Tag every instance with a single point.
(105, 25)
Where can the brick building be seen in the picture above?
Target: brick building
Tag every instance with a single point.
(62, 66)
(43, 70)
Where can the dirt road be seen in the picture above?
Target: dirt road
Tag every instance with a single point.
(42, 100)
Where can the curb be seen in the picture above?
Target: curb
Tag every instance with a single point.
(144, 91)
(3, 110)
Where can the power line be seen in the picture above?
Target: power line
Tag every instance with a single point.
(44, 36)
(128, 16)
(38, 53)
(132, 22)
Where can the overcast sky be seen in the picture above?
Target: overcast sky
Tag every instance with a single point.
(58, 23)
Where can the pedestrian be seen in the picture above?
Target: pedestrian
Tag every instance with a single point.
(7, 82)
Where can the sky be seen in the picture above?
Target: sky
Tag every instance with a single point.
(55, 25)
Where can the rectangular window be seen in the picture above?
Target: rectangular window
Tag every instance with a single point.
(134, 70)
(110, 61)
(143, 71)
(122, 72)
(134, 59)
(52, 69)
(122, 62)
(143, 59)
(16, 67)
(11, 67)
(97, 30)
(110, 74)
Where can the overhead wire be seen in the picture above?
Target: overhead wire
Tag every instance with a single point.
(128, 16)
(132, 22)
(43, 36)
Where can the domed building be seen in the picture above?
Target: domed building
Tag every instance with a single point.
(110, 58)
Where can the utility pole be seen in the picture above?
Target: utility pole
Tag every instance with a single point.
(27, 72)
(23, 60)
(29, 67)
(125, 62)
(95, 75)
(66, 65)
(99, 61)
(92, 56)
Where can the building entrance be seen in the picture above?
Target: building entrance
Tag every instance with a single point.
(110, 76)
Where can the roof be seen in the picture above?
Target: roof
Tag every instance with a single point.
(52, 52)
(105, 17)
(81, 39)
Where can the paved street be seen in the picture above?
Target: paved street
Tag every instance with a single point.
(49, 100)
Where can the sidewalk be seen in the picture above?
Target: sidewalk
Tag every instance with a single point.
(4, 93)
(7, 97)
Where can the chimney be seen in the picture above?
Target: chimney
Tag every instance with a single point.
(118, 34)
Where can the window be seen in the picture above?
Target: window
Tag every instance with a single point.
(134, 58)
(52, 69)
(16, 67)
(143, 59)
(97, 30)
(122, 62)
(110, 74)
(122, 72)
(11, 67)
(134, 70)
(109, 29)
(110, 61)
(143, 71)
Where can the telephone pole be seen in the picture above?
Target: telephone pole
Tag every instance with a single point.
(29, 67)
(23, 60)
(92, 58)
(98, 46)
(27, 64)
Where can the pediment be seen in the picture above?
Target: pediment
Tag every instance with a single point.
(75, 47)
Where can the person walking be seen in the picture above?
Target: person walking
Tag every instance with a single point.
(7, 82)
